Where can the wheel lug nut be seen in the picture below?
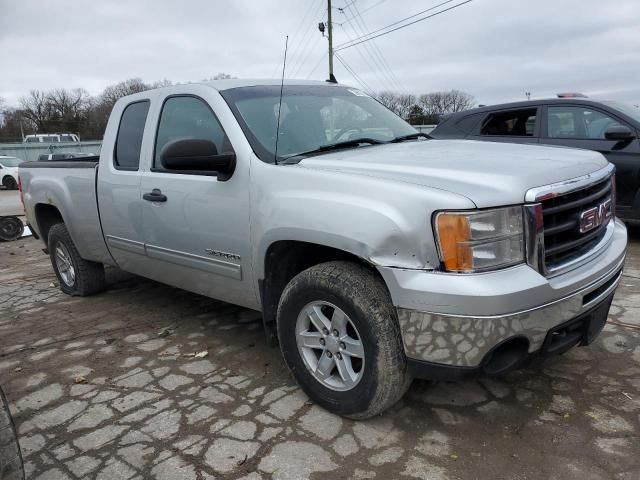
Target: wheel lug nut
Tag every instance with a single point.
(322, 342)
(335, 333)
(342, 345)
(339, 356)
(329, 354)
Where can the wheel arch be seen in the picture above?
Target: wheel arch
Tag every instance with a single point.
(283, 260)
(46, 217)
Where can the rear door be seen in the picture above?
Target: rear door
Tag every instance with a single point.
(119, 199)
(518, 125)
(583, 126)
(196, 227)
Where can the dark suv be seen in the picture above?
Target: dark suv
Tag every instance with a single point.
(610, 128)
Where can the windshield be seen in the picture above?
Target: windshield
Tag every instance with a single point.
(628, 110)
(311, 116)
(10, 162)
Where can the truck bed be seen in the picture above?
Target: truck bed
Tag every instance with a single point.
(68, 186)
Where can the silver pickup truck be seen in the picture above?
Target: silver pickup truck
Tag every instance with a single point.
(375, 255)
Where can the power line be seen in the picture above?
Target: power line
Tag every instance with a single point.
(322, 57)
(301, 24)
(402, 20)
(368, 8)
(348, 45)
(298, 52)
(304, 18)
(374, 46)
(364, 58)
(362, 83)
(304, 59)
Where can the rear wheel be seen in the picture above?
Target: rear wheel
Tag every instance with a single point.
(76, 275)
(340, 338)
(9, 183)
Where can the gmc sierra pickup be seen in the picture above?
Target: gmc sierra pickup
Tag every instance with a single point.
(375, 254)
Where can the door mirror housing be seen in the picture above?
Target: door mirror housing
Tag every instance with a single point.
(619, 133)
(197, 157)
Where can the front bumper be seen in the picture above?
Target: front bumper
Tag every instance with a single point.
(458, 320)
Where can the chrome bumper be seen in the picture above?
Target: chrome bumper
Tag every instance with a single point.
(439, 326)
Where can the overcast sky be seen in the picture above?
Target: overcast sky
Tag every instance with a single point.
(494, 49)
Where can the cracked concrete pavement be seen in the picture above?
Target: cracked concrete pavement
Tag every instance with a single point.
(111, 387)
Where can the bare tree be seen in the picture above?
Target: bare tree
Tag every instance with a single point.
(438, 103)
(389, 100)
(460, 101)
(68, 104)
(36, 108)
(113, 93)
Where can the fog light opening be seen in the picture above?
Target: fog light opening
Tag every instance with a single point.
(506, 356)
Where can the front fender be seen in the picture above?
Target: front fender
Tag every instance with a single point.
(386, 223)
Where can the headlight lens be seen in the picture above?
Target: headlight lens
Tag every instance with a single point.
(478, 241)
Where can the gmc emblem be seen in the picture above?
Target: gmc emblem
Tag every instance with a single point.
(596, 216)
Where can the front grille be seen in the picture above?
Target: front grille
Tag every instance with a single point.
(562, 237)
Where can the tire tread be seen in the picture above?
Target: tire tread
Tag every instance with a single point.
(89, 275)
(369, 294)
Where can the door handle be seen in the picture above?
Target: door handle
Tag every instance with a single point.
(155, 196)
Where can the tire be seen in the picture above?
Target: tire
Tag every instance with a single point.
(11, 228)
(76, 276)
(337, 288)
(11, 466)
(9, 183)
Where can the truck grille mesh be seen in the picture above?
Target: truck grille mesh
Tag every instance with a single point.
(562, 237)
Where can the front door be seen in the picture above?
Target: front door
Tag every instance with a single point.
(196, 227)
(583, 127)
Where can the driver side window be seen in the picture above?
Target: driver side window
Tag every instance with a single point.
(188, 117)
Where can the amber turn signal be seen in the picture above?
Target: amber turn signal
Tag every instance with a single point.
(454, 233)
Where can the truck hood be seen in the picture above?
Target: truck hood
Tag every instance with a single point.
(489, 174)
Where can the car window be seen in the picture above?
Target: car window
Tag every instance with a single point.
(33, 140)
(129, 139)
(10, 162)
(50, 138)
(578, 122)
(518, 123)
(188, 117)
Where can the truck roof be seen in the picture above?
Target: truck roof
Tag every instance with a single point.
(227, 84)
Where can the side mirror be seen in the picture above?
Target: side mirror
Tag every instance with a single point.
(619, 133)
(197, 156)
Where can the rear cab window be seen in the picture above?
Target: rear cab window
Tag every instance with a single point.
(129, 139)
(514, 123)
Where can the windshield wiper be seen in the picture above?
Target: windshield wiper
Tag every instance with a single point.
(411, 136)
(337, 146)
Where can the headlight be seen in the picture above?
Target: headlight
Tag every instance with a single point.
(482, 240)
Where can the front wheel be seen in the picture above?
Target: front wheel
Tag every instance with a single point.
(340, 338)
(76, 275)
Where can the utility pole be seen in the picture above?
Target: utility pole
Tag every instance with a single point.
(332, 78)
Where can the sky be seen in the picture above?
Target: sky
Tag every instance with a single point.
(495, 50)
